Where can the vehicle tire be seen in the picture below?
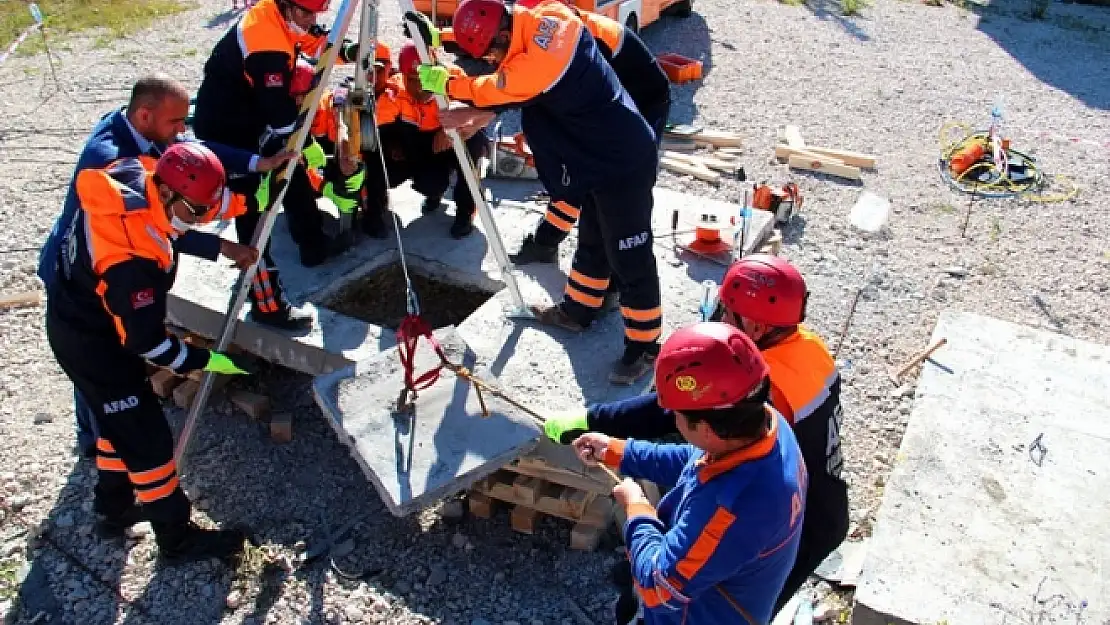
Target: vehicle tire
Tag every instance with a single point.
(683, 8)
(632, 23)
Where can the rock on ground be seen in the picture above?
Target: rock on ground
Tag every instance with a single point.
(883, 82)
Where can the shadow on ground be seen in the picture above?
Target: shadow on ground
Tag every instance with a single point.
(833, 11)
(1067, 48)
(690, 37)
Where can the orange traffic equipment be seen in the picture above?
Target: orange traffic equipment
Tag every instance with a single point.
(679, 69)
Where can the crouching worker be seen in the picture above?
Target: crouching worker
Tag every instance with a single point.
(764, 296)
(334, 169)
(722, 541)
(416, 147)
(105, 321)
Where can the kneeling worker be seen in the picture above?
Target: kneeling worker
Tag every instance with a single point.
(721, 543)
(416, 147)
(105, 321)
(765, 296)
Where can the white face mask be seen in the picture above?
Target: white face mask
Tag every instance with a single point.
(179, 225)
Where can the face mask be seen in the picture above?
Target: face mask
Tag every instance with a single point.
(180, 225)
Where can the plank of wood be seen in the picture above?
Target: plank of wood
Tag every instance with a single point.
(682, 167)
(525, 488)
(163, 381)
(708, 162)
(523, 519)
(480, 505)
(856, 159)
(823, 164)
(20, 300)
(537, 468)
(256, 406)
(184, 393)
(793, 136)
(718, 139)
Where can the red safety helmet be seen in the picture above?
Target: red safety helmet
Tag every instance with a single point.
(193, 172)
(706, 366)
(408, 59)
(314, 6)
(303, 73)
(476, 24)
(766, 289)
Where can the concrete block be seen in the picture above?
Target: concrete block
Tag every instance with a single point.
(442, 445)
(254, 405)
(996, 510)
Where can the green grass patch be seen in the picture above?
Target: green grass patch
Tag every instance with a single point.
(8, 587)
(852, 7)
(63, 17)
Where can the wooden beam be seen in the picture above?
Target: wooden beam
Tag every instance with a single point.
(718, 139)
(682, 167)
(823, 164)
(20, 300)
(857, 159)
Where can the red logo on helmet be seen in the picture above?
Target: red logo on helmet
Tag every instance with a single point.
(142, 299)
(275, 79)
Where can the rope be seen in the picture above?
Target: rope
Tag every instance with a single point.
(992, 178)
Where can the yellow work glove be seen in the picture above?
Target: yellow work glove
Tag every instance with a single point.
(223, 363)
(564, 428)
(314, 155)
(433, 78)
(262, 194)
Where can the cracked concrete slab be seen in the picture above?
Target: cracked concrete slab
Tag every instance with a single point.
(997, 508)
(443, 445)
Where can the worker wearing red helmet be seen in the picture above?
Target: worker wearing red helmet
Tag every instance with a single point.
(585, 132)
(416, 147)
(244, 101)
(650, 89)
(105, 322)
(720, 544)
(765, 296)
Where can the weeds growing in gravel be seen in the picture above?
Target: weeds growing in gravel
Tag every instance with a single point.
(70, 16)
(8, 587)
(852, 7)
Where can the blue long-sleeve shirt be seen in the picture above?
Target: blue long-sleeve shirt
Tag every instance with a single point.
(112, 139)
(718, 549)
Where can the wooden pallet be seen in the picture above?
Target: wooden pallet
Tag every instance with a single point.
(531, 496)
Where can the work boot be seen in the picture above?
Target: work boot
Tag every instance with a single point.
(636, 362)
(314, 255)
(285, 318)
(114, 526)
(556, 316)
(532, 252)
(192, 543)
(431, 204)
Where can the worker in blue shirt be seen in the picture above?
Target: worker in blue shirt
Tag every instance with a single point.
(765, 296)
(721, 543)
(153, 118)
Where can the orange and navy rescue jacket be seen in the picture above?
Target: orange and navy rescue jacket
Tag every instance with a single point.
(244, 98)
(118, 265)
(582, 126)
(723, 540)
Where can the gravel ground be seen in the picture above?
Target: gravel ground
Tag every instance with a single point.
(879, 83)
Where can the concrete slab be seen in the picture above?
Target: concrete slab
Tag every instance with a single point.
(979, 524)
(444, 445)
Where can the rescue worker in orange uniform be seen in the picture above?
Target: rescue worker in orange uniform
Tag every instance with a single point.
(719, 545)
(765, 296)
(244, 101)
(416, 147)
(105, 321)
(650, 89)
(585, 132)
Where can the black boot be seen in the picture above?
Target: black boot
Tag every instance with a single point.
(191, 543)
(462, 226)
(314, 255)
(374, 226)
(284, 318)
(431, 204)
(111, 526)
(636, 362)
(533, 252)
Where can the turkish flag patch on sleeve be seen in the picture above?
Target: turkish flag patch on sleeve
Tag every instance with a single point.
(275, 79)
(142, 298)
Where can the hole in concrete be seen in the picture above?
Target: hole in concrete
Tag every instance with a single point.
(379, 298)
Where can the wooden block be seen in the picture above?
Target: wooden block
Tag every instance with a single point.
(163, 382)
(707, 162)
(793, 136)
(184, 393)
(218, 381)
(480, 505)
(573, 501)
(823, 164)
(20, 300)
(523, 519)
(584, 537)
(699, 172)
(856, 159)
(540, 469)
(256, 406)
(281, 427)
(719, 139)
(525, 488)
(500, 485)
